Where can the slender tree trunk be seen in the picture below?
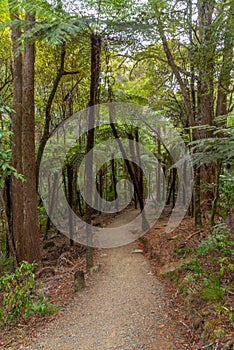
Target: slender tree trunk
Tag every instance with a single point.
(16, 123)
(159, 174)
(192, 118)
(174, 67)
(227, 65)
(30, 239)
(189, 100)
(206, 64)
(206, 87)
(139, 168)
(100, 190)
(197, 198)
(172, 189)
(133, 175)
(94, 100)
(8, 233)
(79, 204)
(114, 179)
(134, 167)
(10, 242)
(216, 193)
(70, 182)
(52, 201)
(145, 224)
(46, 131)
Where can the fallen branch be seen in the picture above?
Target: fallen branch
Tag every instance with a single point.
(186, 326)
(192, 235)
(207, 346)
(229, 292)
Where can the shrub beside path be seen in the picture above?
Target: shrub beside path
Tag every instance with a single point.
(123, 307)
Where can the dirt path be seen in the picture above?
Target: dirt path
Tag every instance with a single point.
(123, 307)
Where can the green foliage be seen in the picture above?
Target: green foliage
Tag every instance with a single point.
(206, 282)
(212, 291)
(20, 296)
(42, 216)
(220, 244)
(212, 267)
(61, 22)
(5, 157)
(218, 240)
(195, 267)
(226, 189)
(5, 264)
(6, 144)
(200, 284)
(218, 147)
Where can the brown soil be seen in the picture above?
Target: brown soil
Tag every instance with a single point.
(124, 306)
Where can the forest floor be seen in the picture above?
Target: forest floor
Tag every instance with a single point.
(128, 304)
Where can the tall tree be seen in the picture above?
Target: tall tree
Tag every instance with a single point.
(24, 197)
(30, 231)
(224, 80)
(206, 52)
(92, 117)
(17, 211)
(195, 66)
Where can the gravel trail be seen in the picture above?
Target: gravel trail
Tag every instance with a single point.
(123, 307)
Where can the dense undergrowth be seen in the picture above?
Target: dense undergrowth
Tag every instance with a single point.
(206, 285)
(20, 296)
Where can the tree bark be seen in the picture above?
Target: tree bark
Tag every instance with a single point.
(8, 233)
(70, 183)
(30, 240)
(227, 65)
(206, 87)
(113, 170)
(16, 123)
(206, 65)
(94, 100)
(140, 173)
(197, 198)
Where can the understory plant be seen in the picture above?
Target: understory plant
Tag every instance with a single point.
(20, 297)
(207, 283)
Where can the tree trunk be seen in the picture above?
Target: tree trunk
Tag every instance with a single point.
(94, 100)
(206, 87)
(189, 99)
(172, 191)
(216, 193)
(227, 65)
(114, 179)
(52, 201)
(133, 176)
(100, 190)
(197, 198)
(159, 173)
(46, 131)
(70, 175)
(140, 173)
(206, 65)
(16, 123)
(8, 233)
(30, 239)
